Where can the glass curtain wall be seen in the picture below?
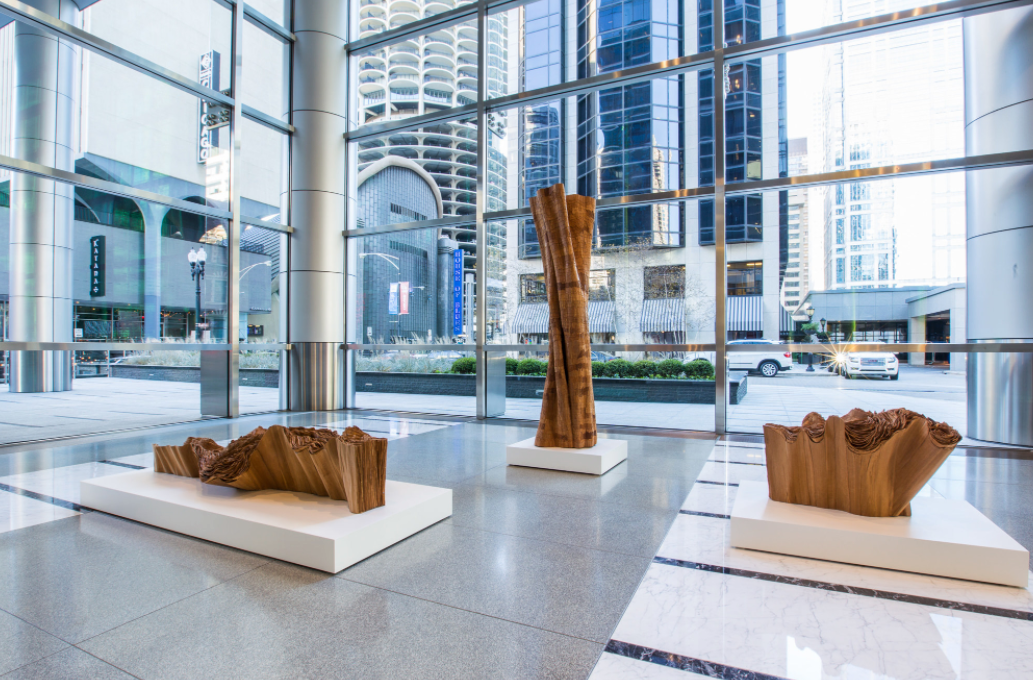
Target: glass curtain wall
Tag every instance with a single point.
(774, 194)
(165, 165)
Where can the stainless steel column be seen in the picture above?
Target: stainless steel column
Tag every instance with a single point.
(999, 117)
(319, 108)
(46, 109)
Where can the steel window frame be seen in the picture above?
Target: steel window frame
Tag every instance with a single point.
(241, 13)
(715, 59)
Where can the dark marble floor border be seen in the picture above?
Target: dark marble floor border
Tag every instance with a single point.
(707, 481)
(737, 462)
(705, 514)
(685, 663)
(852, 590)
(68, 505)
(125, 465)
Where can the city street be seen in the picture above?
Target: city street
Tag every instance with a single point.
(102, 404)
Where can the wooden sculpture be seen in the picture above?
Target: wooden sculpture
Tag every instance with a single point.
(350, 467)
(864, 463)
(564, 225)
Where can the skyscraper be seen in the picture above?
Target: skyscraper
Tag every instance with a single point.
(902, 231)
(797, 281)
(426, 173)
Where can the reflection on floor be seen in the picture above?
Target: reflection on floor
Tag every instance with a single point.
(538, 574)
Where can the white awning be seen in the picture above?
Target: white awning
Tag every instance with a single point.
(745, 313)
(533, 317)
(663, 316)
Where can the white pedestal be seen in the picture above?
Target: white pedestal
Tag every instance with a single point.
(312, 531)
(942, 537)
(594, 461)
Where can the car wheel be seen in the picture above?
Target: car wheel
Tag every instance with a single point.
(894, 376)
(768, 369)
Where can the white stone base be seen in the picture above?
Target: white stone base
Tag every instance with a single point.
(312, 531)
(942, 537)
(594, 461)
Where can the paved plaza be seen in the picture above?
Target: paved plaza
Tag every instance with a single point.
(104, 404)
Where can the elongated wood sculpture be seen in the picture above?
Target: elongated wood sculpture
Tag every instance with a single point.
(350, 467)
(564, 225)
(864, 463)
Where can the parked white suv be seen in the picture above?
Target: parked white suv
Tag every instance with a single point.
(768, 364)
(869, 364)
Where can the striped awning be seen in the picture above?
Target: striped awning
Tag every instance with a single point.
(745, 313)
(785, 320)
(602, 316)
(533, 317)
(663, 316)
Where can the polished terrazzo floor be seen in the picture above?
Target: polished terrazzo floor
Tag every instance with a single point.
(536, 575)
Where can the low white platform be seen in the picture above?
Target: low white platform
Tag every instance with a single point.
(312, 531)
(942, 537)
(594, 461)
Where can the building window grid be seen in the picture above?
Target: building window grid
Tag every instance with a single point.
(839, 262)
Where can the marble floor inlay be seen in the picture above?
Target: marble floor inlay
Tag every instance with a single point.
(705, 609)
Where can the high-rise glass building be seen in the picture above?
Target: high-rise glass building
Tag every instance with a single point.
(875, 234)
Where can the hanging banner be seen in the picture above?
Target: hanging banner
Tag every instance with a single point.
(97, 274)
(392, 300)
(457, 291)
(403, 297)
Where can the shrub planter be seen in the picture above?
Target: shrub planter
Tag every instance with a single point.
(249, 377)
(530, 387)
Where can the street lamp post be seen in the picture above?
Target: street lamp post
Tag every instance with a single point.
(810, 360)
(197, 258)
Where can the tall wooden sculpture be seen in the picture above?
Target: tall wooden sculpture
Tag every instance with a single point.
(350, 467)
(564, 225)
(864, 463)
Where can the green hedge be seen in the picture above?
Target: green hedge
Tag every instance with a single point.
(699, 369)
(670, 368)
(465, 365)
(531, 367)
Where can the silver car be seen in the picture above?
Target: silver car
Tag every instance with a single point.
(768, 364)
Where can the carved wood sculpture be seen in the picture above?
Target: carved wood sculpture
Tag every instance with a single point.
(564, 225)
(864, 463)
(350, 467)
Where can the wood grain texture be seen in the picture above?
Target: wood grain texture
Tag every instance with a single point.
(864, 463)
(346, 467)
(564, 225)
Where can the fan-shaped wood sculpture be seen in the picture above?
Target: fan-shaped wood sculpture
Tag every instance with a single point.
(864, 463)
(564, 225)
(350, 467)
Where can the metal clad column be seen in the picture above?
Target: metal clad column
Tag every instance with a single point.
(999, 117)
(317, 205)
(46, 100)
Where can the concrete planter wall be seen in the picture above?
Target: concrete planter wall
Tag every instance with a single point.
(530, 387)
(457, 385)
(249, 377)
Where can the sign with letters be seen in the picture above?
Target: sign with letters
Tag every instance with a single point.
(457, 291)
(210, 118)
(97, 273)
